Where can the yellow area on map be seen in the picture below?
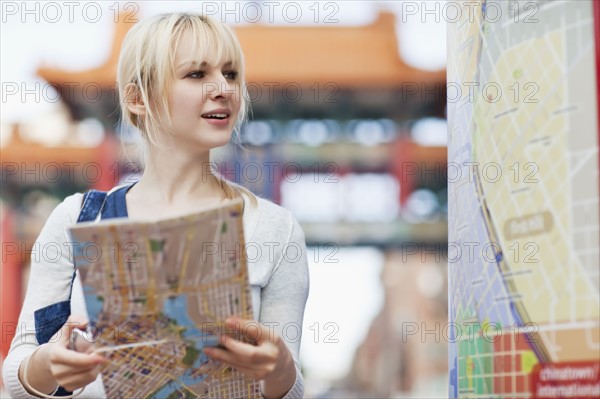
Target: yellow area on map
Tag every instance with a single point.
(470, 371)
(528, 361)
(524, 132)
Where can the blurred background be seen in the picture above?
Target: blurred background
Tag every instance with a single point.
(348, 132)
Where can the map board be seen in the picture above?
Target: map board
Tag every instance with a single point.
(523, 177)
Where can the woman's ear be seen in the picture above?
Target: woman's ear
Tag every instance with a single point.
(134, 101)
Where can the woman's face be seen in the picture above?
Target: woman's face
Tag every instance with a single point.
(204, 100)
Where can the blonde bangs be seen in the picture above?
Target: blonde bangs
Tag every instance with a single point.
(215, 44)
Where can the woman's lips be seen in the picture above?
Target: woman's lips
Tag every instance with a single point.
(217, 122)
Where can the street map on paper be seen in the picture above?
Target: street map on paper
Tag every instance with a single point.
(524, 201)
(170, 284)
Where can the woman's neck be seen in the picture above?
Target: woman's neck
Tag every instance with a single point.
(177, 178)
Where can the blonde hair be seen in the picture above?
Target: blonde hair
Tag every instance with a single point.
(145, 70)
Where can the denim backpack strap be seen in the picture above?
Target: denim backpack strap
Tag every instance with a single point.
(93, 202)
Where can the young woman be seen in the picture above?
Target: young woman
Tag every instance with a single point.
(181, 84)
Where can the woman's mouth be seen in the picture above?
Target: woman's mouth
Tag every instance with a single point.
(218, 117)
(215, 116)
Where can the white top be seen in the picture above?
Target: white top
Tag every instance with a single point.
(277, 269)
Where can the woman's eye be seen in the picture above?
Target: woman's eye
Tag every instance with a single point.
(231, 75)
(201, 74)
(196, 75)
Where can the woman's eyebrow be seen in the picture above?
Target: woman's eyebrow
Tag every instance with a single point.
(202, 64)
(191, 63)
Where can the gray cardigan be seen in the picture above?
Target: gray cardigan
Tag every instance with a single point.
(278, 274)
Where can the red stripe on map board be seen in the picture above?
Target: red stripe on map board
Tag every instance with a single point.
(596, 5)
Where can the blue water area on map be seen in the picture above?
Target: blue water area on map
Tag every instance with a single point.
(188, 379)
(477, 281)
(166, 390)
(176, 308)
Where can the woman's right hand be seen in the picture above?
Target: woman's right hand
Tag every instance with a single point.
(68, 368)
(72, 369)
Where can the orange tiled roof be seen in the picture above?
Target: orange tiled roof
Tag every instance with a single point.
(350, 56)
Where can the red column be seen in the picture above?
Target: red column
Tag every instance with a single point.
(405, 167)
(107, 161)
(596, 9)
(10, 281)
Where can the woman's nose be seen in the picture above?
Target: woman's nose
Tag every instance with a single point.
(220, 88)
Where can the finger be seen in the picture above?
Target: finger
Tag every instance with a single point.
(248, 352)
(64, 356)
(64, 369)
(251, 329)
(252, 359)
(64, 334)
(254, 370)
(224, 356)
(62, 372)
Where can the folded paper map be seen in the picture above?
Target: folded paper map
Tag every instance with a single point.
(157, 292)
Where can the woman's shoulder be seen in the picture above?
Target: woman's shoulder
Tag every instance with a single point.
(276, 240)
(276, 223)
(62, 216)
(68, 209)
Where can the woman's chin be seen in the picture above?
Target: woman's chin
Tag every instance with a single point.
(204, 139)
(215, 141)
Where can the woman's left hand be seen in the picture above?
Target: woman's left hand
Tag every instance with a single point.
(269, 359)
